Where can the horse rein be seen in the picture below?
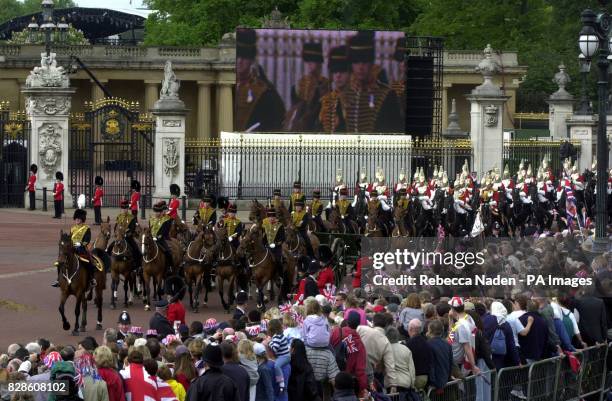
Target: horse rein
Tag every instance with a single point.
(144, 257)
(251, 265)
(76, 271)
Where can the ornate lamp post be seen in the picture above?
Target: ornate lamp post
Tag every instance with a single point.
(48, 27)
(595, 39)
(585, 105)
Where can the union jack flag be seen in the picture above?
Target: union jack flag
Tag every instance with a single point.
(285, 308)
(351, 347)
(329, 292)
(299, 319)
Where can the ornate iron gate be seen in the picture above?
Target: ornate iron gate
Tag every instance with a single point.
(14, 156)
(112, 140)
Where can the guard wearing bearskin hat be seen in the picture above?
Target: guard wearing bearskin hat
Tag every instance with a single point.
(135, 197)
(274, 235)
(206, 211)
(31, 187)
(80, 234)
(326, 274)
(126, 219)
(175, 289)
(301, 220)
(174, 204)
(58, 195)
(97, 200)
(233, 225)
(160, 224)
(295, 195)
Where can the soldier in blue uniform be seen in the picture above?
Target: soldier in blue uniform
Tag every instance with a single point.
(274, 235)
(233, 226)
(160, 225)
(301, 219)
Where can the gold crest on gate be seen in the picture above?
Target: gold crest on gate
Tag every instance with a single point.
(111, 125)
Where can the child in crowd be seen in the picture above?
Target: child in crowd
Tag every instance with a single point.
(279, 344)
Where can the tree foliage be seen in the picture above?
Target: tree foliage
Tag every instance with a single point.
(13, 8)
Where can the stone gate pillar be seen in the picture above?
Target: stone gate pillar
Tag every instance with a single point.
(560, 106)
(487, 111)
(48, 96)
(583, 129)
(169, 154)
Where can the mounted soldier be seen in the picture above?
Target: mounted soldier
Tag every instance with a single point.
(424, 194)
(128, 221)
(363, 184)
(295, 195)
(277, 200)
(301, 219)
(384, 210)
(526, 182)
(274, 235)
(233, 226)
(80, 234)
(160, 224)
(578, 181)
(338, 184)
(174, 204)
(462, 206)
(315, 209)
(402, 182)
(206, 212)
(380, 185)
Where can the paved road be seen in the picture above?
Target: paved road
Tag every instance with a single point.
(28, 305)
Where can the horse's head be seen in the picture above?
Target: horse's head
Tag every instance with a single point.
(256, 211)
(65, 248)
(221, 232)
(148, 242)
(399, 213)
(105, 228)
(208, 235)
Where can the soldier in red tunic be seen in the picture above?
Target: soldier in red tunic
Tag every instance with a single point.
(174, 204)
(326, 275)
(135, 197)
(31, 187)
(97, 200)
(58, 195)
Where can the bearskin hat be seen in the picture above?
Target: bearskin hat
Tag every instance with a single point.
(34, 168)
(175, 287)
(80, 214)
(159, 206)
(175, 190)
(99, 180)
(325, 254)
(59, 176)
(135, 185)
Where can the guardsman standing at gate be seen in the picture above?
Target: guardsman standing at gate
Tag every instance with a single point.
(135, 197)
(206, 212)
(300, 219)
(80, 234)
(233, 225)
(97, 200)
(58, 194)
(31, 188)
(160, 224)
(296, 195)
(274, 237)
(174, 204)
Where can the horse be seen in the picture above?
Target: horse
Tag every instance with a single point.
(257, 213)
(361, 210)
(193, 268)
(155, 265)
(340, 225)
(180, 231)
(400, 229)
(123, 261)
(261, 261)
(374, 227)
(227, 265)
(73, 281)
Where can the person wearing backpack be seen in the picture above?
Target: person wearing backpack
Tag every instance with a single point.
(500, 336)
(563, 311)
(353, 354)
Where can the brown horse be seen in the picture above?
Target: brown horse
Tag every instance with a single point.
(227, 265)
(400, 228)
(257, 213)
(294, 243)
(155, 265)
(180, 231)
(261, 262)
(194, 267)
(73, 281)
(374, 227)
(340, 225)
(123, 262)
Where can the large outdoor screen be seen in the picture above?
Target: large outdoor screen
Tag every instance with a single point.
(291, 80)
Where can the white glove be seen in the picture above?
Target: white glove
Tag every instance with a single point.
(365, 217)
(231, 237)
(272, 245)
(77, 244)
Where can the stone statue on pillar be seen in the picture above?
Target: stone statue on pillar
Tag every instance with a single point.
(48, 74)
(561, 78)
(560, 105)
(169, 93)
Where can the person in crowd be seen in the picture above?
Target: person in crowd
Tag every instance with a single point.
(356, 357)
(235, 371)
(106, 365)
(546, 311)
(184, 369)
(246, 354)
(164, 373)
(213, 384)
(501, 337)
(345, 387)
(93, 387)
(412, 310)
(533, 345)
(302, 383)
(380, 353)
(159, 321)
(441, 356)
(265, 383)
(316, 328)
(461, 336)
(562, 308)
(421, 353)
(279, 344)
(593, 323)
(404, 363)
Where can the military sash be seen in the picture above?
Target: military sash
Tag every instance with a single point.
(315, 207)
(124, 219)
(156, 223)
(297, 217)
(77, 232)
(271, 230)
(205, 213)
(343, 206)
(231, 224)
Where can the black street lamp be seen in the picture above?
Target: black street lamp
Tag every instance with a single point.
(48, 27)
(584, 109)
(595, 38)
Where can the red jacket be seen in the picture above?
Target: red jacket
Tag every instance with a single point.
(134, 200)
(357, 275)
(326, 276)
(58, 191)
(356, 353)
(299, 296)
(114, 384)
(31, 183)
(176, 311)
(173, 207)
(97, 200)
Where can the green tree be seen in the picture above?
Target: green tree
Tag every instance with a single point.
(14, 8)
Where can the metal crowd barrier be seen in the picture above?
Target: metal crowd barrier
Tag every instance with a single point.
(550, 379)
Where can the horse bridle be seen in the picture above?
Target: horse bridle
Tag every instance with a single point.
(144, 257)
(105, 235)
(62, 266)
(124, 241)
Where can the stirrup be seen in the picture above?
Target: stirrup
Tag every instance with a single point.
(55, 284)
(92, 283)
